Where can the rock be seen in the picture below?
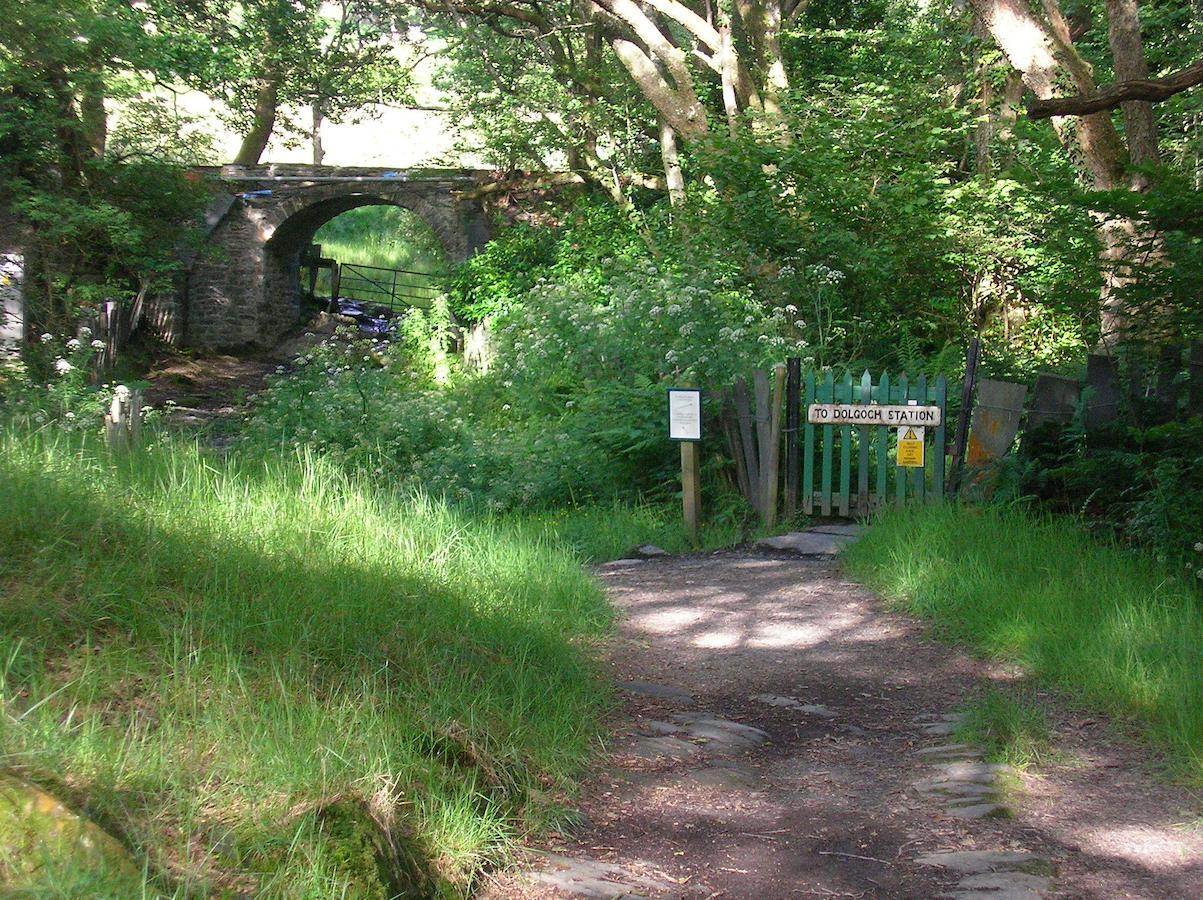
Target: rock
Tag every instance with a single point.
(647, 551)
(40, 834)
(723, 777)
(664, 748)
(940, 729)
(971, 771)
(721, 733)
(960, 789)
(595, 880)
(946, 748)
(659, 691)
(622, 563)
(976, 862)
(818, 709)
(1015, 885)
(655, 726)
(978, 811)
(804, 543)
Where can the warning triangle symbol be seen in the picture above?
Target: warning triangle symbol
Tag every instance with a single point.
(910, 435)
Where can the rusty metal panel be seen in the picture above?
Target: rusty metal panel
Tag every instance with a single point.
(996, 418)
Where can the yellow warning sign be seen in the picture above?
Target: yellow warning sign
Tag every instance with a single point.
(910, 447)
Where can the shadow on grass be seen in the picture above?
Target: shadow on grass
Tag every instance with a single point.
(204, 654)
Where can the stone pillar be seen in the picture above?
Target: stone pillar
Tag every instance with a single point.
(226, 283)
(12, 302)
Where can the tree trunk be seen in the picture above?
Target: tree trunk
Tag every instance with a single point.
(319, 152)
(1128, 56)
(1043, 53)
(673, 176)
(263, 121)
(93, 114)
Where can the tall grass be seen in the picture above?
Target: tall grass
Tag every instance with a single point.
(1115, 628)
(267, 677)
(387, 237)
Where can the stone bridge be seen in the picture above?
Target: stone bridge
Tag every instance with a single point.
(243, 286)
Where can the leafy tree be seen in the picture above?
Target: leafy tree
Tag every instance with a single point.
(265, 57)
(100, 227)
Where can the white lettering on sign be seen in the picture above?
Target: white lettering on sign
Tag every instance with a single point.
(684, 414)
(873, 414)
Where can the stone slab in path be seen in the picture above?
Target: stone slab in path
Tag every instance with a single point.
(595, 880)
(659, 691)
(805, 543)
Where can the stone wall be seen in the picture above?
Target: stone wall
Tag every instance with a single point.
(12, 301)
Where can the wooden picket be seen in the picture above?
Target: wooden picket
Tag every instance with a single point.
(867, 447)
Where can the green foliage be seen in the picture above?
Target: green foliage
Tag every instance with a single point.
(1115, 629)
(285, 662)
(1143, 484)
(340, 60)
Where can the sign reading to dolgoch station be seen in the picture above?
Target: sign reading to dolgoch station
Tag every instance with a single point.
(873, 414)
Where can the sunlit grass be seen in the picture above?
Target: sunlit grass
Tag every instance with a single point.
(387, 237)
(1116, 629)
(251, 667)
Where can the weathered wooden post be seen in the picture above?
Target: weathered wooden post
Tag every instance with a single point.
(962, 438)
(123, 421)
(685, 426)
(793, 416)
(772, 474)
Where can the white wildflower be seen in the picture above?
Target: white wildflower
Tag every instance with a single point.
(97, 345)
(73, 344)
(47, 338)
(62, 366)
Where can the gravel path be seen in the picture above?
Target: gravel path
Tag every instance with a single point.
(783, 735)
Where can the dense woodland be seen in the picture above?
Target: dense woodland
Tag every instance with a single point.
(685, 190)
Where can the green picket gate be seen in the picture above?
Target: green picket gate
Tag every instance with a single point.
(867, 449)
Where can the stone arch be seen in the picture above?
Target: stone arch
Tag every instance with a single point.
(247, 291)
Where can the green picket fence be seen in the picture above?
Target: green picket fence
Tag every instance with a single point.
(867, 476)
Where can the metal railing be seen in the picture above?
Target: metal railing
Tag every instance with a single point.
(395, 288)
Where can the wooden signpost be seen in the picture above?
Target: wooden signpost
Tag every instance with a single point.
(685, 426)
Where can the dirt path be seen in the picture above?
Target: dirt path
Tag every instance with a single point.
(210, 390)
(783, 735)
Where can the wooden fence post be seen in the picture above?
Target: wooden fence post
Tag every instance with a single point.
(793, 415)
(123, 421)
(773, 469)
(962, 438)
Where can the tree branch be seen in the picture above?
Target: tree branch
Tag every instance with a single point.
(1151, 90)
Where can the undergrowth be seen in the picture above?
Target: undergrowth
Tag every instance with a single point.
(1116, 629)
(270, 677)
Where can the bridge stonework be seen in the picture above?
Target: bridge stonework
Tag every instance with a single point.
(243, 286)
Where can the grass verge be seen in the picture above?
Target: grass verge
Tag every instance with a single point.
(1113, 628)
(1009, 727)
(267, 678)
